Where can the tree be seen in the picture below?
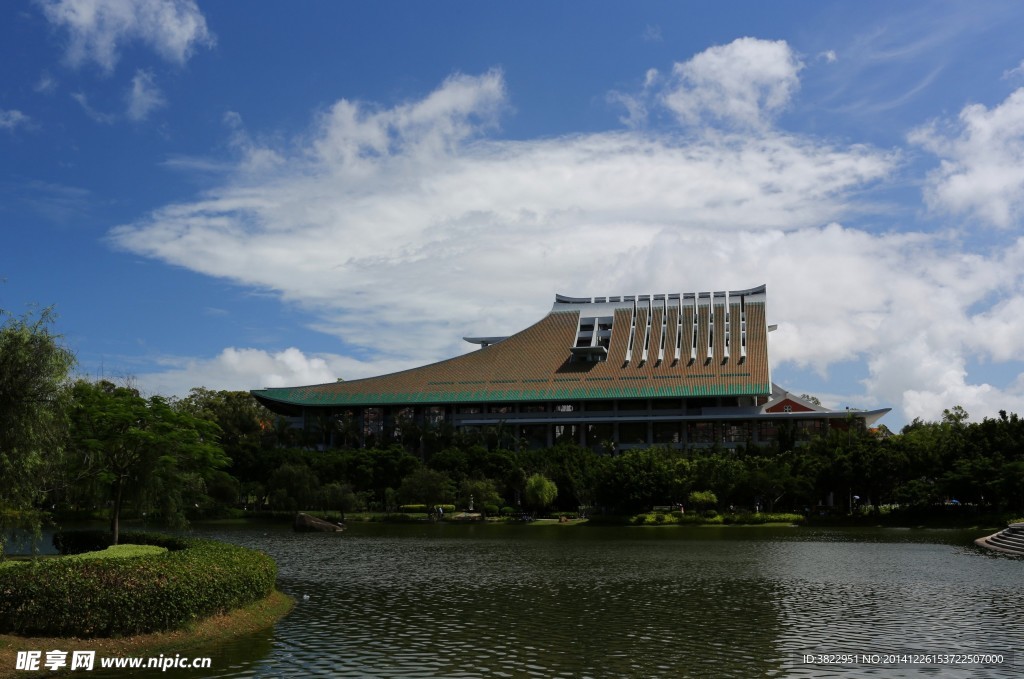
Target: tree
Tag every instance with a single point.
(540, 491)
(141, 448)
(481, 492)
(339, 497)
(428, 487)
(703, 499)
(34, 370)
(293, 486)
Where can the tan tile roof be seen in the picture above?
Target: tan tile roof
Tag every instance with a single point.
(535, 365)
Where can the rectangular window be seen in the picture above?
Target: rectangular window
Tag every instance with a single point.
(666, 432)
(633, 432)
(767, 431)
(735, 432)
(600, 436)
(700, 432)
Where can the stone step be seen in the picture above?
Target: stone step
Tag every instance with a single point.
(1009, 540)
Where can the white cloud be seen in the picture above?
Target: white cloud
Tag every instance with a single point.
(246, 368)
(144, 97)
(406, 215)
(652, 33)
(46, 84)
(408, 227)
(98, 29)
(829, 56)
(12, 118)
(746, 83)
(981, 171)
(96, 115)
(1015, 72)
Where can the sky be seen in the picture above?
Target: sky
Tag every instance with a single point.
(242, 195)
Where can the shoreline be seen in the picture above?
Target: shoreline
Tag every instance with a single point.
(239, 622)
(626, 522)
(978, 522)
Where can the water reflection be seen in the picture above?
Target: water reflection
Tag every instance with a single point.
(522, 601)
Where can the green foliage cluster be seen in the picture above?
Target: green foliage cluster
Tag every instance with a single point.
(34, 370)
(148, 449)
(712, 517)
(981, 465)
(118, 597)
(120, 552)
(748, 518)
(423, 509)
(96, 446)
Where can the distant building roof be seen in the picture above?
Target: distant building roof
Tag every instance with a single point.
(633, 346)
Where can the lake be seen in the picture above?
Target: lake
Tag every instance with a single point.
(448, 600)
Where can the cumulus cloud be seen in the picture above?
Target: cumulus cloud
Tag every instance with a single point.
(409, 216)
(405, 228)
(746, 83)
(144, 97)
(981, 171)
(98, 29)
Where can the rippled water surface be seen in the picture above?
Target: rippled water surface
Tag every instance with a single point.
(550, 601)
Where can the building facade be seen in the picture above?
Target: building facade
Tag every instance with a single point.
(608, 373)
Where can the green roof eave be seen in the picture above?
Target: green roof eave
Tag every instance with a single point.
(304, 398)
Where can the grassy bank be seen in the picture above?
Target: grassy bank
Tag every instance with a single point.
(209, 632)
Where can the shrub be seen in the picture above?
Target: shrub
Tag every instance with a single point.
(412, 508)
(764, 517)
(490, 509)
(116, 597)
(508, 511)
(703, 499)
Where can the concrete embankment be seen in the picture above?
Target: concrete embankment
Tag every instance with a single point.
(1009, 540)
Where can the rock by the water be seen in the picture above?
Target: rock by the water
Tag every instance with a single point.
(304, 523)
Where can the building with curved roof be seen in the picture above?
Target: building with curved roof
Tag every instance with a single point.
(665, 369)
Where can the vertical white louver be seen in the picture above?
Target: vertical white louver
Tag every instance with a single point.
(632, 335)
(710, 348)
(679, 330)
(664, 328)
(647, 330)
(728, 317)
(696, 327)
(743, 328)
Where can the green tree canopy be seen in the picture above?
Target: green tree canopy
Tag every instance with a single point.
(427, 486)
(142, 448)
(540, 491)
(34, 369)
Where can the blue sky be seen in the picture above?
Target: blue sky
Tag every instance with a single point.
(242, 195)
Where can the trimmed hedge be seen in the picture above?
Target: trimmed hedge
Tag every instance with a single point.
(415, 509)
(119, 597)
